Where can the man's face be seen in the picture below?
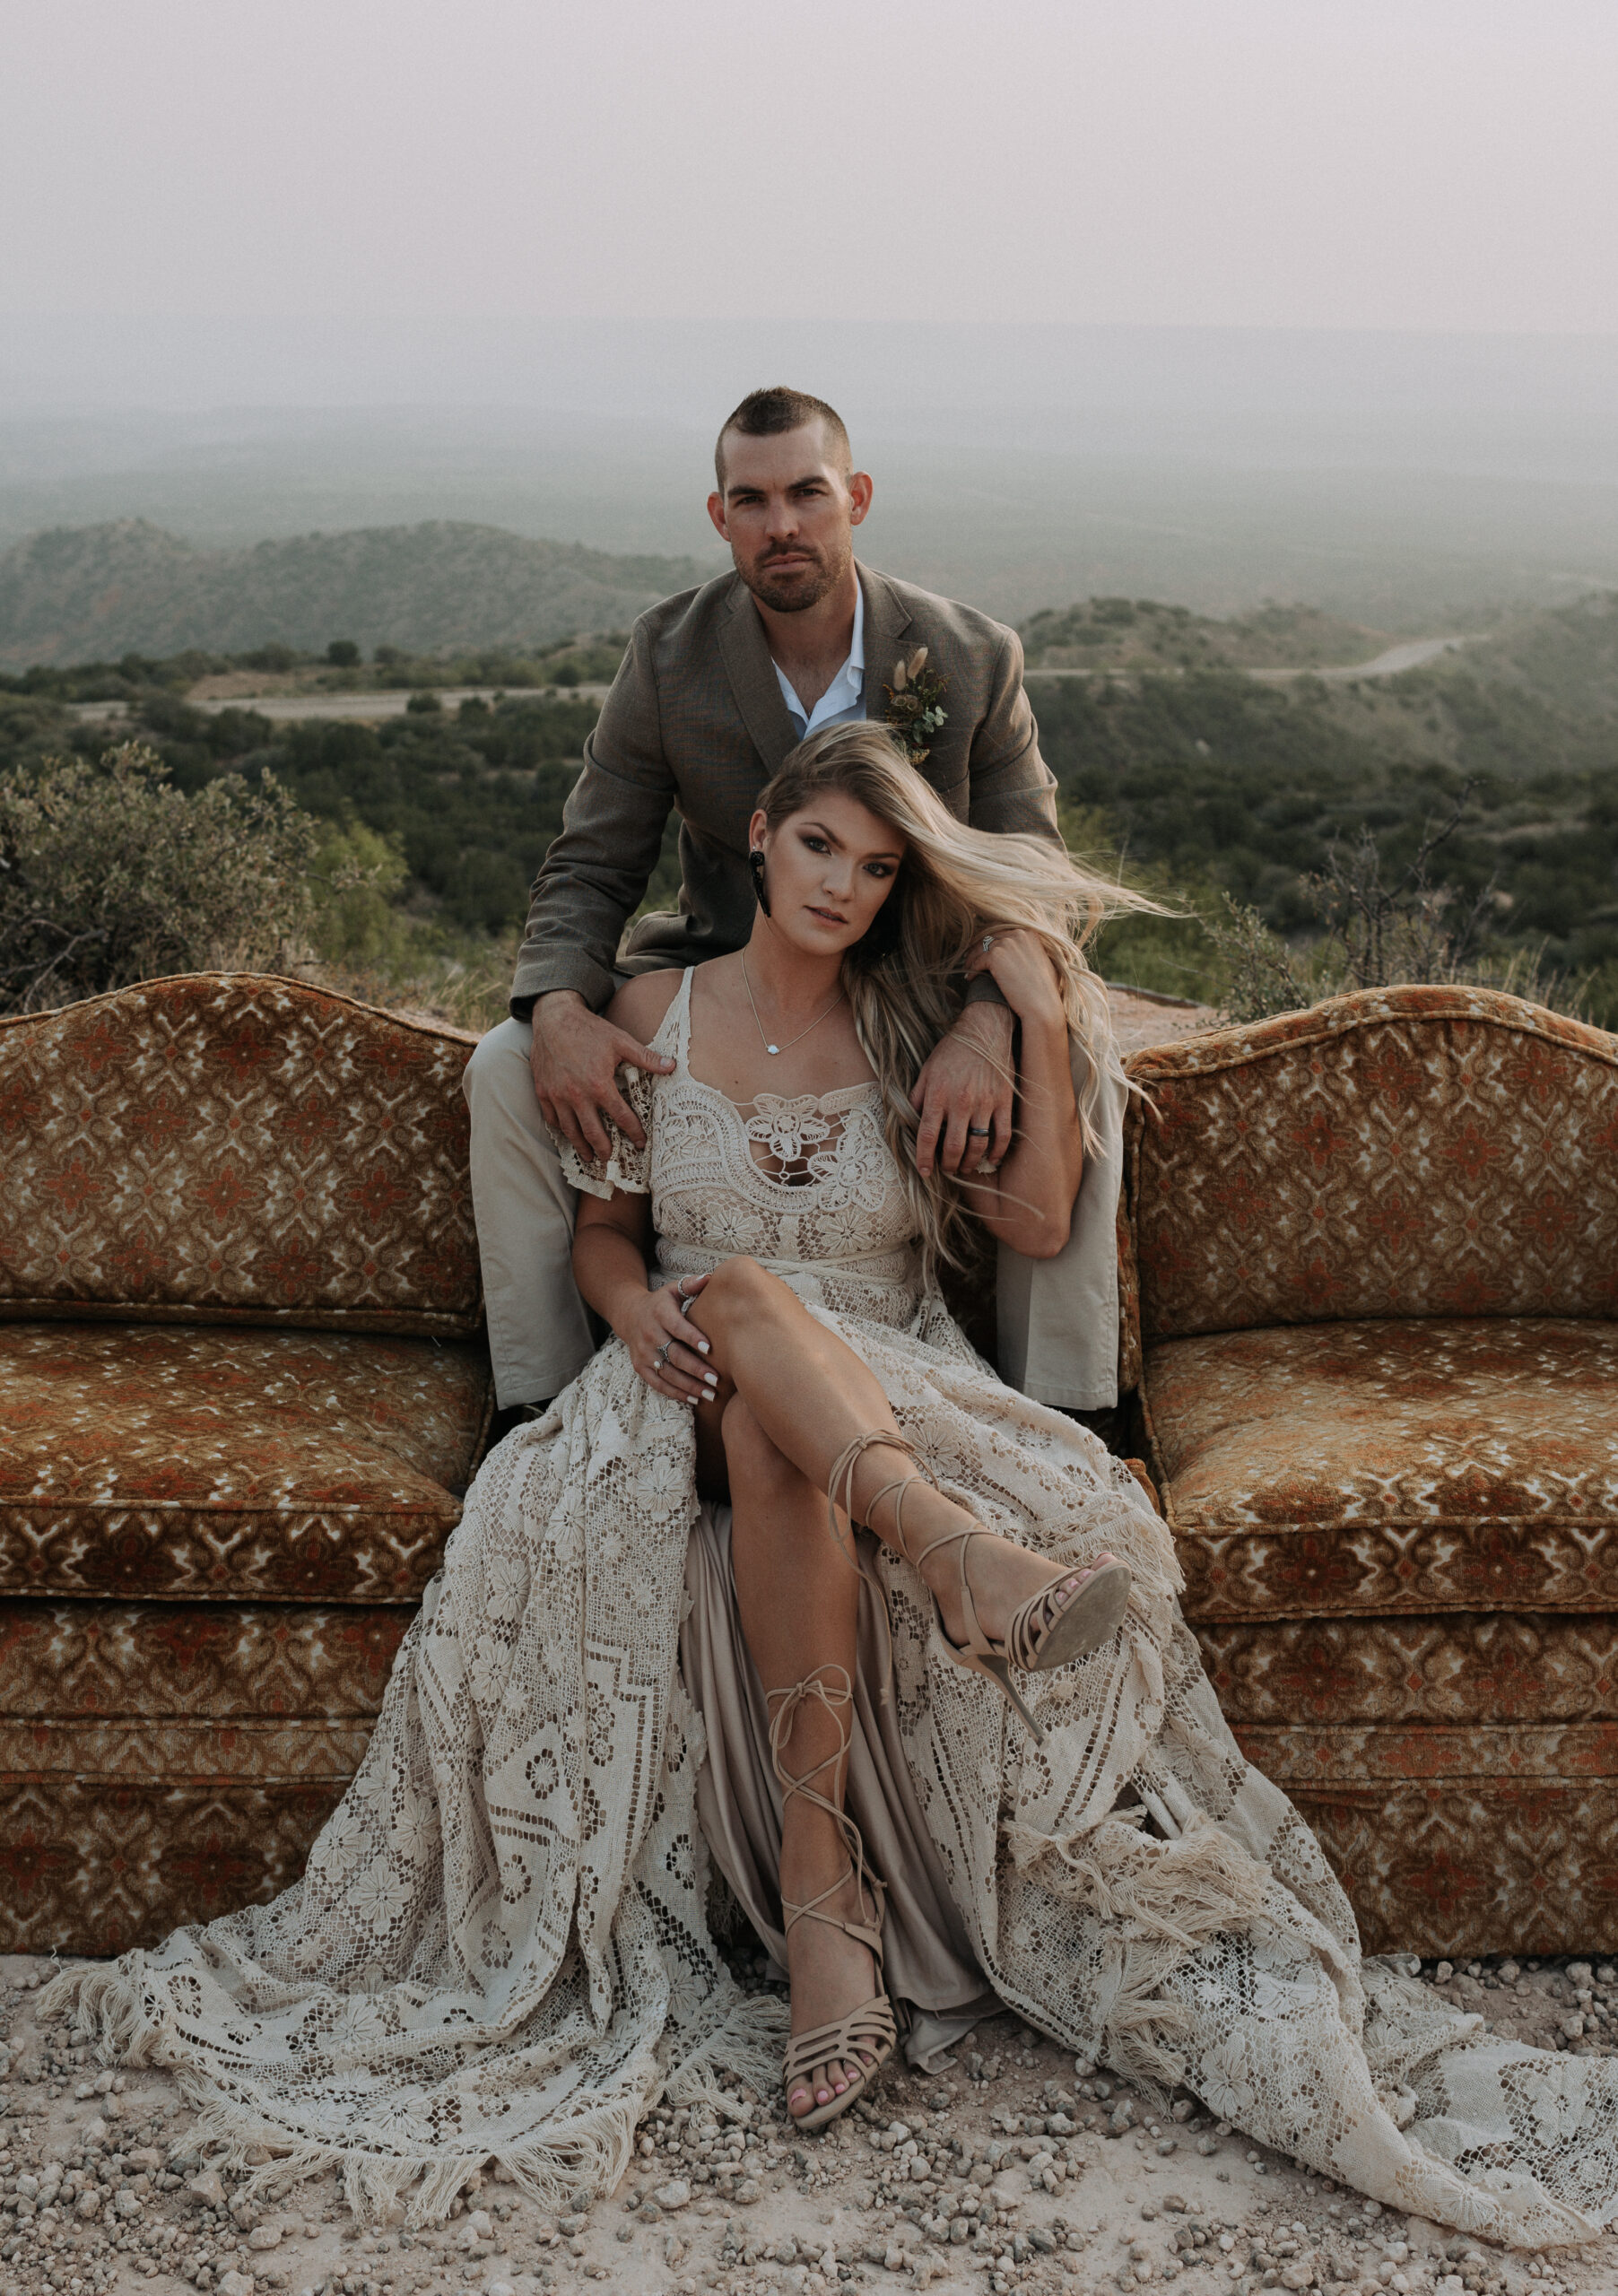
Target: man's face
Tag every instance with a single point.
(789, 514)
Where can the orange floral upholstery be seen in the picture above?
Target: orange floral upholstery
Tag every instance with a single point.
(1373, 1323)
(242, 1388)
(208, 1464)
(1384, 1467)
(1405, 1151)
(161, 1762)
(228, 1148)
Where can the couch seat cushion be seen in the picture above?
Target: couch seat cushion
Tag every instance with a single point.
(1391, 1466)
(211, 1463)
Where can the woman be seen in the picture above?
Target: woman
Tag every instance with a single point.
(499, 1946)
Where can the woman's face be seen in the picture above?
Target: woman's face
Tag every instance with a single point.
(827, 870)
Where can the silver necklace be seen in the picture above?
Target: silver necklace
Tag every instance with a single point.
(763, 1039)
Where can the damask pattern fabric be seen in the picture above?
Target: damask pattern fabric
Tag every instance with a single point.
(1400, 1152)
(1448, 1670)
(212, 1464)
(1476, 1862)
(499, 1946)
(1335, 1469)
(233, 1148)
(166, 1763)
(100, 1862)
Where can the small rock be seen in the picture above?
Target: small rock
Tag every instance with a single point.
(145, 2160)
(1207, 2146)
(499, 2288)
(1039, 2237)
(747, 2191)
(129, 2203)
(481, 2223)
(208, 2189)
(264, 2236)
(236, 2283)
(570, 2227)
(89, 2204)
(676, 2194)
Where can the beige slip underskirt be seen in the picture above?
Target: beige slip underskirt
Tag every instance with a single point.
(930, 1970)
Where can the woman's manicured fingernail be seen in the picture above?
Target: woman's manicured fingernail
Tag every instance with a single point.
(701, 1347)
(712, 1379)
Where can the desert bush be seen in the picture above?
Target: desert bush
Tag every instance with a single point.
(1380, 932)
(109, 874)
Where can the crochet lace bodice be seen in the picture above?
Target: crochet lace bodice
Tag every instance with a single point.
(804, 1183)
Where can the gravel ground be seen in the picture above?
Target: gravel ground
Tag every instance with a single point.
(1016, 2170)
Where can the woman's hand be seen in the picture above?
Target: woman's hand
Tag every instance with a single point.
(667, 1352)
(1024, 973)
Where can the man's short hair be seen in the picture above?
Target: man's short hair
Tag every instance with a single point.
(765, 414)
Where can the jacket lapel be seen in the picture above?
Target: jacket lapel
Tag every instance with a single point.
(886, 620)
(745, 654)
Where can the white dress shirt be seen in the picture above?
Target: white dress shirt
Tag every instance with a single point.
(843, 703)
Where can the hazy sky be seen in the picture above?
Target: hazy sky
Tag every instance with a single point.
(1429, 164)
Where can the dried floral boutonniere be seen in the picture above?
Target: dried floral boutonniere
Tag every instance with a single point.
(915, 704)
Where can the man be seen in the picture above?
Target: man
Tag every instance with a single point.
(717, 686)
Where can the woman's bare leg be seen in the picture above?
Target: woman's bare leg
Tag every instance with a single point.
(799, 1596)
(812, 1396)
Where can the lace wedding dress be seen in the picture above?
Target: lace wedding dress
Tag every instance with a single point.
(499, 1946)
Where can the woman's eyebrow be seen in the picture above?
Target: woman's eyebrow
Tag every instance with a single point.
(887, 853)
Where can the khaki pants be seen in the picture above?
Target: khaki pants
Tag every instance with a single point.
(1057, 1318)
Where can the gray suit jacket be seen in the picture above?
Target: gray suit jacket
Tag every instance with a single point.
(695, 722)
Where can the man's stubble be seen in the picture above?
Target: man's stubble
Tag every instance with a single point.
(796, 597)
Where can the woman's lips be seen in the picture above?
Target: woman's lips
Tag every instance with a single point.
(826, 915)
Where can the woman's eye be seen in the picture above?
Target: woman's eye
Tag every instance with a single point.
(816, 844)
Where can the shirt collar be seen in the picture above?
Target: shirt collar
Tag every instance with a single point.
(849, 683)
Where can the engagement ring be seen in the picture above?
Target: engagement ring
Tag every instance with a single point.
(661, 1357)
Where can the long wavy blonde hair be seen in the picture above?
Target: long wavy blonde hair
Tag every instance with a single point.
(954, 885)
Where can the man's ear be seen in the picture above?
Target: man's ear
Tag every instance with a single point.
(716, 511)
(860, 490)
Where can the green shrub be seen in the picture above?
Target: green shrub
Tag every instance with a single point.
(109, 874)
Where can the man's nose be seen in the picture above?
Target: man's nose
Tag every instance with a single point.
(783, 516)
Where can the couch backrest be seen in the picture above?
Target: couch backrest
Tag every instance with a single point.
(224, 1147)
(1400, 1152)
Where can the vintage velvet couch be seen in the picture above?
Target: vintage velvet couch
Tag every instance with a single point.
(1370, 1261)
(243, 1386)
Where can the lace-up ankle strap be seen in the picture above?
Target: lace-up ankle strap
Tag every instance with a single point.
(843, 1473)
(837, 1699)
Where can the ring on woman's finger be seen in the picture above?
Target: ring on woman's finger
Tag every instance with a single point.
(660, 1360)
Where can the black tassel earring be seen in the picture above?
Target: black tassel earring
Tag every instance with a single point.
(755, 862)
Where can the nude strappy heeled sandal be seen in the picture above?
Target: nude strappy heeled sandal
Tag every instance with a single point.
(867, 2031)
(1041, 1634)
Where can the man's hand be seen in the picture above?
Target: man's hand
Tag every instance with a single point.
(967, 1080)
(575, 1060)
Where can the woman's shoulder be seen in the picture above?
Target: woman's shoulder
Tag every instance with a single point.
(641, 1005)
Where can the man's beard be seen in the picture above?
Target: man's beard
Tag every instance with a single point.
(794, 594)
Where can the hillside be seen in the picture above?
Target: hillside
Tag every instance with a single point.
(1205, 779)
(83, 593)
(1139, 633)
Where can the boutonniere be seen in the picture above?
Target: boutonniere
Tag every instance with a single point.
(915, 708)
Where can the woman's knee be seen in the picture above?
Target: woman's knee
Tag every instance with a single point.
(741, 1287)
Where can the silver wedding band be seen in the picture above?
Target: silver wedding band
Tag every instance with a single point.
(680, 1295)
(977, 1131)
(989, 941)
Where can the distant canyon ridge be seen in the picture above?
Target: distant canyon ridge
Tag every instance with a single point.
(77, 594)
(96, 594)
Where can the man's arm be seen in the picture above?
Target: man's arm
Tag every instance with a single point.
(1011, 788)
(594, 876)
(964, 1093)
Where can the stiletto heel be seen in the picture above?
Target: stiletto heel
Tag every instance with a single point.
(868, 2030)
(1040, 1635)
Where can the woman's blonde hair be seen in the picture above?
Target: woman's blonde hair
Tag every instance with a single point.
(953, 885)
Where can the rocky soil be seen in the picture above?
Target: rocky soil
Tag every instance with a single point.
(1014, 2170)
